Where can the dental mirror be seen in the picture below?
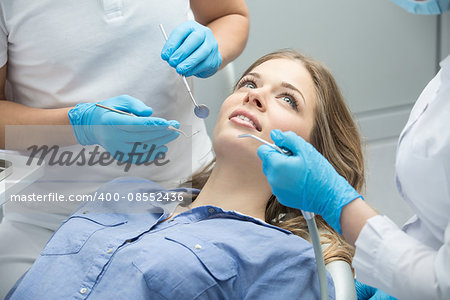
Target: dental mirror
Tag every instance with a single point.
(201, 111)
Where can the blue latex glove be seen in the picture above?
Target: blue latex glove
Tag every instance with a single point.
(365, 292)
(118, 132)
(305, 180)
(192, 49)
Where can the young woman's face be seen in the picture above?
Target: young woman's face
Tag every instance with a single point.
(278, 94)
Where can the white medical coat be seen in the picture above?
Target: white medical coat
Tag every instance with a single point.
(60, 53)
(414, 263)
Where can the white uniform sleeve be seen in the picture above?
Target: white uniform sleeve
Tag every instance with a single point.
(389, 259)
(3, 40)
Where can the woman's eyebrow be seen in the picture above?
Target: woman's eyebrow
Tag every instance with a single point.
(291, 87)
(254, 74)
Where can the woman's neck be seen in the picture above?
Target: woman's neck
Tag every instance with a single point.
(232, 186)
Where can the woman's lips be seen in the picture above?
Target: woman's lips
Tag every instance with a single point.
(241, 122)
(245, 118)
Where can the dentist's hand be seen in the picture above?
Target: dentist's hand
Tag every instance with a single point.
(192, 49)
(365, 292)
(121, 133)
(305, 180)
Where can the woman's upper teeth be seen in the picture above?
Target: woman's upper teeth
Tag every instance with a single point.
(246, 119)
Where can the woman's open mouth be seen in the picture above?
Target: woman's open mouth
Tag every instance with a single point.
(246, 119)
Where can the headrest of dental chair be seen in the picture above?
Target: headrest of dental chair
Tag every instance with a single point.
(344, 282)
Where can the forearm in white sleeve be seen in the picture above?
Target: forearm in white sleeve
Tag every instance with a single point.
(389, 259)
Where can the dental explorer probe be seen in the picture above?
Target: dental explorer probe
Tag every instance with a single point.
(312, 227)
(201, 111)
(281, 150)
(170, 127)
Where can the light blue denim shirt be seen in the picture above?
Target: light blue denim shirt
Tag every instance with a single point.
(203, 253)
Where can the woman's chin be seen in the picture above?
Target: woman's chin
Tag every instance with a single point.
(229, 146)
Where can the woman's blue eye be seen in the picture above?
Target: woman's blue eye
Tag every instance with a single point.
(249, 85)
(290, 100)
(287, 99)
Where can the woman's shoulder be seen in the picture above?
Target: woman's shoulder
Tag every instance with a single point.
(250, 233)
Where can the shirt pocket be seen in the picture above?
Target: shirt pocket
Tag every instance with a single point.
(73, 234)
(184, 266)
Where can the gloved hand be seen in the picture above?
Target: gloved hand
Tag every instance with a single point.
(365, 292)
(305, 180)
(192, 49)
(118, 132)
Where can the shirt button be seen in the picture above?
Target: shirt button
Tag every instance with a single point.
(198, 247)
(85, 212)
(83, 290)
(211, 210)
(109, 250)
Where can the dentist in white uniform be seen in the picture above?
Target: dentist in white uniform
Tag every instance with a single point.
(408, 263)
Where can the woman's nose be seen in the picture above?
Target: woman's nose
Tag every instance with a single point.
(256, 97)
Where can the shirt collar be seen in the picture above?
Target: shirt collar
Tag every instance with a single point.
(209, 212)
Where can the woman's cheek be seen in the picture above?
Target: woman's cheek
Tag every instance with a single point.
(292, 124)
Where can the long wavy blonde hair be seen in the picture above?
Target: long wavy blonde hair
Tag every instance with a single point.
(335, 136)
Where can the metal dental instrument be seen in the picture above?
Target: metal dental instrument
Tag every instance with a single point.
(115, 110)
(312, 228)
(170, 127)
(281, 150)
(201, 111)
